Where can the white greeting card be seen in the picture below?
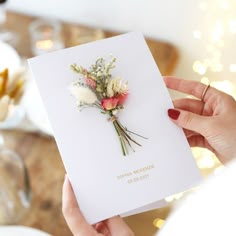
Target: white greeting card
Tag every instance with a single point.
(112, 173)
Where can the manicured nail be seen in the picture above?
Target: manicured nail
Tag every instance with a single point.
(173, 114)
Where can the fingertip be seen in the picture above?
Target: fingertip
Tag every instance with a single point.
(117, 224)
(173, 114)
(166, 79)
(68, 196)
(192, 121)
(102, 228)
(69, 201)
(71, 211)
(65, 178)
(66, 186)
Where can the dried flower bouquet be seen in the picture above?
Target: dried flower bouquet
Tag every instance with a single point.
(97, 88)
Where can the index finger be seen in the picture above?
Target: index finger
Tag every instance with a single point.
(190, 87)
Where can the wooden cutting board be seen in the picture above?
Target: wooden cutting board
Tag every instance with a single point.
(43, 159)
(165, 54)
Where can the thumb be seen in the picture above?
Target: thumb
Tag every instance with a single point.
(72, 213)
(190, 121)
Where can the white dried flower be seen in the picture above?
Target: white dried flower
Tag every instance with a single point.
(4, 107)
(99, 73)
(116, 86)
(83, 95)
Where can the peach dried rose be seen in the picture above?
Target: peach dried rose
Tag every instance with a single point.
(109, 103)
(122, 98)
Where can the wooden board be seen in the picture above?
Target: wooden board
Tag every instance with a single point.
(43, 159)
(165, 54)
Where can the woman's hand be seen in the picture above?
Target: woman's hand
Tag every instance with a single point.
(209, 122)
(114, 226)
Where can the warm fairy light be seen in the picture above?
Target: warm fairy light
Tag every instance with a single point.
(44, 44)
(216, 67)
(232, 67)
(158, 223)
(232, 26)
(224, 4)
(219, 170)
(199, 67)
(210, 48)
(226, 86)
(169, 199)
(174, 197)
(217, 55)
(203, 6)
(207, 62)
(220, 21)
(206, 162)
(205, 159)
(197, 34)
(205, 80)
(220, 44)
(221, 26)
(178, 195)
(217, 32)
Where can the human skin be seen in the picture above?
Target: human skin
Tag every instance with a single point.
(209, 122)
(114, 226)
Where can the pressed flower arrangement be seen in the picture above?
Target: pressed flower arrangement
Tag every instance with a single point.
(97, 88)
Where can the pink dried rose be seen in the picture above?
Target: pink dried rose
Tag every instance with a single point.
(91, 82)
(109, 103)
(122, 98)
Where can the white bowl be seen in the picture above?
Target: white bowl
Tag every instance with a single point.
(9, 58)
(35, 109)
(16, 115)
(30, 104)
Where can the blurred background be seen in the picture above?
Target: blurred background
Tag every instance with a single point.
(194, 39)
(193, 26)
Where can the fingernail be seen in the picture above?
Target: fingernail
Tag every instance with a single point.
(173, 114)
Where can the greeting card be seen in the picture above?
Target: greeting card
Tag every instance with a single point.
(107, 104)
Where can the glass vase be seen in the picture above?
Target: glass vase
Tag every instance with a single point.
(15, 192)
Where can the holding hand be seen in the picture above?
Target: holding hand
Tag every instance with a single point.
(209, 122)
(114, 226)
